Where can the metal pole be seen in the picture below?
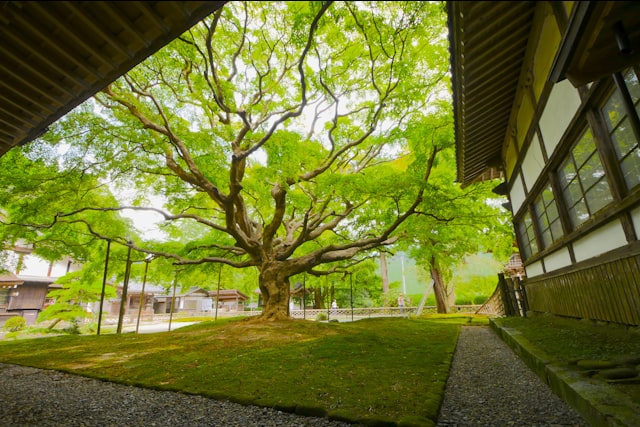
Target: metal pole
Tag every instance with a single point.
(104, 283)
(328, 300)
(304, 295)
(125, 285)
(351, 280)
(144, 282)
(218, 294)
(404, 283)
(173, 301)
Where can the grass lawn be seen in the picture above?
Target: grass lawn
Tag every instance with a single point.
(567, 339)
(375, 371)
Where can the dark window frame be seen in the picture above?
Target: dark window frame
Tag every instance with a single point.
(589, 115)
(583, 183)
(631, 111)
(547, 216)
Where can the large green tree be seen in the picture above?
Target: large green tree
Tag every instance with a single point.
(272, 130)
(460, 222)
(37, 193)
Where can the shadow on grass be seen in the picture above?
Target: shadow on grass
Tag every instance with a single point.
(374, 372)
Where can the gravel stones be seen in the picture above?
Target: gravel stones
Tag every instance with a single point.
(490, 386)
(43, 398)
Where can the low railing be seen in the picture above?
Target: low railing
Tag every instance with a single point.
(360, 313)
(309, 313)
(363, 313)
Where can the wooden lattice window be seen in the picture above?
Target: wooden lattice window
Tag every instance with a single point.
(620, 119)
(529, 246)
(4, 299)
(547, 217)
(585, 188)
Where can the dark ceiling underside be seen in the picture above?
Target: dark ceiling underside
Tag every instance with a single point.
(55, 55)
(488, 46)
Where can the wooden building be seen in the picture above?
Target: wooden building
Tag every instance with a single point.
(23, 291)
(9, 283)
(58, 54)
(229, 299)
(194, 300)
(111, 307)
(547, 96)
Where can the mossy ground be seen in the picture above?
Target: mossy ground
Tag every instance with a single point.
(375, 371)
(568, 340)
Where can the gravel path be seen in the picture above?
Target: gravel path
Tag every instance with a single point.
(43, 398)
(490, 386)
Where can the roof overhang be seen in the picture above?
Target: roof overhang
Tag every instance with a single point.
(55, 55)
(602, 38)
(228, 294)
(488, 43)
(9, 280)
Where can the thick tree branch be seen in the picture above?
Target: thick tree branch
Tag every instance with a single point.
(196, 177)
(303, 85)
(280, 198)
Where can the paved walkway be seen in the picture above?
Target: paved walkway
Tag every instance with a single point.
(149, 328)
(490, 386)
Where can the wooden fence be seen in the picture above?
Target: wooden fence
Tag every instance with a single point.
(608, 292)
(508, 299)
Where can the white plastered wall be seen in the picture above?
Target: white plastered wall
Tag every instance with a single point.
(517, 194)
(557, 260)
(635, 214)
(602, 240)
(534, 269)
(533, 163)
(561, 106)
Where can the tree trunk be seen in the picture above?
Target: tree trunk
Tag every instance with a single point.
(317, 297)
(275, 289)
(384, 273)
(439, 289)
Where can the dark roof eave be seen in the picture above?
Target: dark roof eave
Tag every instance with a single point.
(467, 50)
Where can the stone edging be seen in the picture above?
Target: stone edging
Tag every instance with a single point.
(599, 403)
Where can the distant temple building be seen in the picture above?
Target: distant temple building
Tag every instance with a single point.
(23, 291)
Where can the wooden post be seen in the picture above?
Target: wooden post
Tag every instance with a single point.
(173, 301)
(218, 294)
(351, 280)
(125, 285)
(144, 282)
(104, 283)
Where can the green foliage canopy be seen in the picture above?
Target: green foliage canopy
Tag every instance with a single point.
(285, 136)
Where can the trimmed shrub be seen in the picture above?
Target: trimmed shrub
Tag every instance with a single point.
(464, 300)
(480, 299)
(15, 324)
